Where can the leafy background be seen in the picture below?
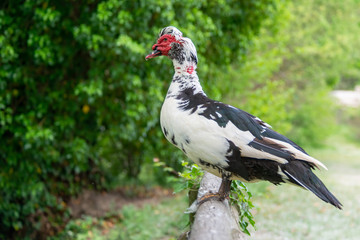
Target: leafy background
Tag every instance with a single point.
(79, 106)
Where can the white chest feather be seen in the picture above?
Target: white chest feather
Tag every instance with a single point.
(198, 137)
(201, 139)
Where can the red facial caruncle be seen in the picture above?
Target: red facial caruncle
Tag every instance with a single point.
(190, 69)
(163, 46)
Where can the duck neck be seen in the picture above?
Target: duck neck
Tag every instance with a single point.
(185, 77)
(185, 68)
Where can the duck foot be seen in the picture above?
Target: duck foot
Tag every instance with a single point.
(212, 196)
(222, 194)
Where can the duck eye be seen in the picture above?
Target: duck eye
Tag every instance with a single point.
(165, 39)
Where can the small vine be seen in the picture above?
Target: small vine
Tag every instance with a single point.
(240, 197)
(190, 179)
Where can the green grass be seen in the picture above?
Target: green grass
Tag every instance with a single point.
(163, 221)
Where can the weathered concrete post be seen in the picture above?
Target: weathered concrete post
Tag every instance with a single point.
(215, 219)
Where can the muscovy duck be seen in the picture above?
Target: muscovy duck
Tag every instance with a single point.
(224, 140)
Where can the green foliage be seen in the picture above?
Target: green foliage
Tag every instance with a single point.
(190, 177)
(240, 197)
(78, 103)
(314, 118)
(324, 37)
(321, 55)
(293, 64)
(350, 121)
(250, 84)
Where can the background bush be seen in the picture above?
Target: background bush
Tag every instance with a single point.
(79, 105)
(293, 64)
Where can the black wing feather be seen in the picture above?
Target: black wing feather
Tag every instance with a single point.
(222, 114)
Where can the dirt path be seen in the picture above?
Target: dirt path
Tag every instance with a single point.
(99, 204)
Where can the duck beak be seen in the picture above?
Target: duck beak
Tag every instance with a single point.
(154, 54)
